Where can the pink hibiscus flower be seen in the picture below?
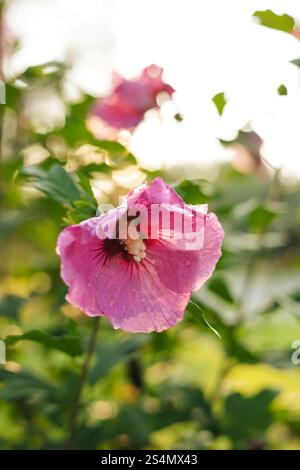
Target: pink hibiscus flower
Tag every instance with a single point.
(125, 106)
(141, 280)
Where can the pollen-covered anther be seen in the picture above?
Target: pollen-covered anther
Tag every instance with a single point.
(135, 248)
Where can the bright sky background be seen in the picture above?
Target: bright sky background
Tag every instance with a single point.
(205, 47)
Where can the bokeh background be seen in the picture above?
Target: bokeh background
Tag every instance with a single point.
(235, 146)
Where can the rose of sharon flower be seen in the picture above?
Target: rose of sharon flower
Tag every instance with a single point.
(125, 106)
(141, 283)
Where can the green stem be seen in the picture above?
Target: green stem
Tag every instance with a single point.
(81, 383)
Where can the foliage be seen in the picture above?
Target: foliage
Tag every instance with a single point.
(185, 387)
(220, 102)
(270, 19)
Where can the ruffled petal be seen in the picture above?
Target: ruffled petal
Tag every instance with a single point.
(185, 264)
(158, 192)
(210, 253)
(79, 248)
(135, 300)
(145, 202)
(176, 268)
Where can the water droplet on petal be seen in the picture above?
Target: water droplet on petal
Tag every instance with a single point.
(187, 262)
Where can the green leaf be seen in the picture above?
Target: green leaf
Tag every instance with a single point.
(111, 354)
(67, 344)
(261, 217)
(245, 417)
(95, 168)
(85, 184)
(75, 133)
(178, 117)
(39, 71)
(219, 286)
(220, 102)
(295, 62)
(269, 19)
(191, 191)
(23, 385)
(62, 187)
(55, 182)
(117, 152)
(282, 90)
(12, 95)
(75, 130)
(10, 305)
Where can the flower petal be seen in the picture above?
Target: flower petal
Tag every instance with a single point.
(117, 116)
(176, 268)
(158, 192)
(78, 247)
(136, 301)
(131, 295)
(211, 251)
(127, 103)
(181, 265)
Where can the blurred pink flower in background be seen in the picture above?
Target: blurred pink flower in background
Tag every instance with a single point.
(8, 43)
(140, 285)
(296, 33)
(125, 106)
